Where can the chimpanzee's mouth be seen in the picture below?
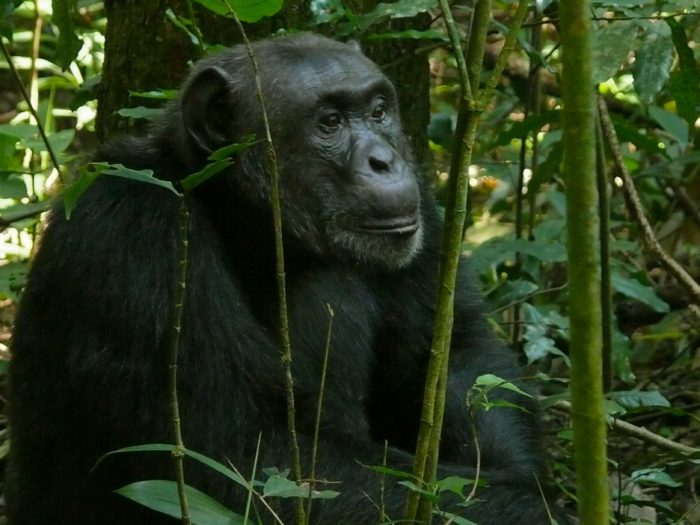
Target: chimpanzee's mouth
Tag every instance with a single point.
(407, 225)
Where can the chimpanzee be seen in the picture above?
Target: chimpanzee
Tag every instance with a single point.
(90, 368)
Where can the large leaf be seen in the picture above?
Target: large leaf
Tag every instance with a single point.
(498, 250)
(278, 486)
(246, 10)
(491, 381)
(141, 112)
(13, 275)
(68, 43)
(6, 9)
(638, 398)
(163, 447)
(672, 123)
(399, 9)
(90, 172)
(162, 496)
(636, 290)
(611, 47)
(118, 170)
(685, 83)
(59, 141)
(653, 60)
(654, 476)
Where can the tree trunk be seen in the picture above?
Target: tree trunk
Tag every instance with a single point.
(144, 51)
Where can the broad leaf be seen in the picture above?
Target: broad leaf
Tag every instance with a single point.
(636, 290)
(611, 47)
(638, 398)
(162, 496)
(245, 10)
(654, 476)
(68, 43)
(141, 112)
(653, 60)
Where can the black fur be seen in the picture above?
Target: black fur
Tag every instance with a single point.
(90, 355)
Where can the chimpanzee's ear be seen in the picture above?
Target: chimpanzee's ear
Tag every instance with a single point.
(206, 108)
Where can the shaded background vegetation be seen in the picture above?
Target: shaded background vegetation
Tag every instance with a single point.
(646, 63)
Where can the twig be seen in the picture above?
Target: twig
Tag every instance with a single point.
(636, 209)
(606, 302)
(279, 258)
(180, 288)
(477, 449)
(641, 433)
(30, 106)
(275, 516)
(319, 409)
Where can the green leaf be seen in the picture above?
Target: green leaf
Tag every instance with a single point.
(162, 496)
(676, 126)
(636, 290)
(156, 94)
(164, 447)
(229, 150)
(6, 9)
(454, 484)
(654, 476)
(222, 159)
(140, 112)
(410, 34)
(399, 9)
(192, 181)
(684, 83)
(453, 518)
(611, 46)
(496, 251)
(59, 141)
(278, 486)
(13, 276)
(638, 398)
(119, 170)
(12, 186)
(88, 175)
(68, 43)
(87, 91)
(431, 496)
(246, 10)
(18, 131)
(653, 61)
(493, 381)
(386, 471)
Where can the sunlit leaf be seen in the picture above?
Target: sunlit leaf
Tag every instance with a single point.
(246, 10)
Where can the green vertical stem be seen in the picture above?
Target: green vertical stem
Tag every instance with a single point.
(444, 315)
(281, 275)
(583, 246)
(606, 302)
(532, 107)
(180, 289)
(469, 112)
(319, 410)
(27, 98)
(481, 20)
